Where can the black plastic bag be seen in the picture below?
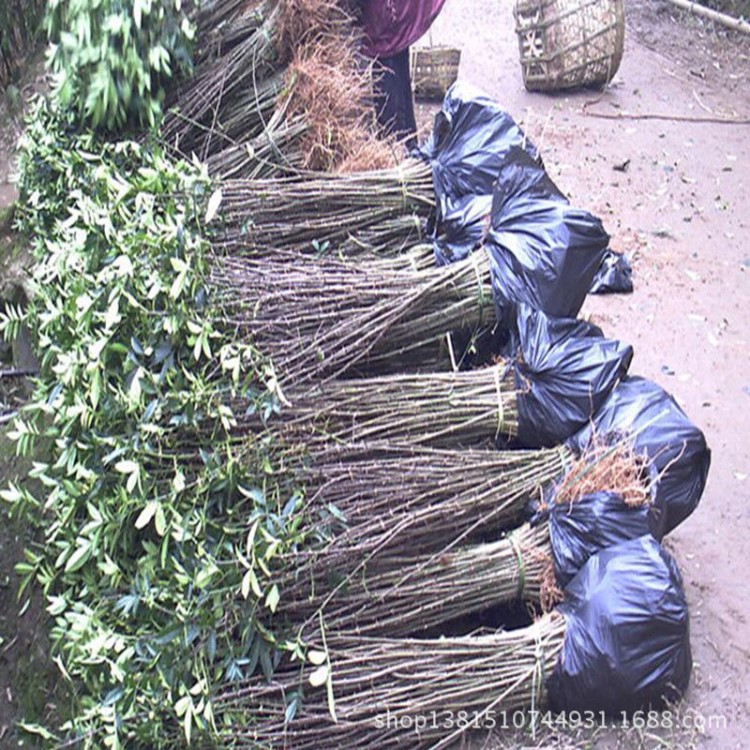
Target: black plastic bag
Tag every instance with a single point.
(594, 522)
(470, 138)
(659, 430)
(565, 370)
(614, 276)
(542, 252)
(627, 642)
(464, 229)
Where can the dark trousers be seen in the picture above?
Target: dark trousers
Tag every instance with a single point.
(394, 103)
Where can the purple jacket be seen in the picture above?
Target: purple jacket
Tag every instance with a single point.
(393, 25)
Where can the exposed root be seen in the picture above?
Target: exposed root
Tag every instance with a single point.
(330, 90)
(606, 468)
(304, 23)
(550, 594)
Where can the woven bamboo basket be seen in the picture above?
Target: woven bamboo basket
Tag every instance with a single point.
(569, 43)
(434, 70)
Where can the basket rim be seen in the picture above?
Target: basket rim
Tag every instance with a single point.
(617, 7)
(436, 48)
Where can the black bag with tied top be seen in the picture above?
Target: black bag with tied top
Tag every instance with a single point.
(658, 429)
(470, 139)
(627, 642)
(591, 523)
(565, 369)
(543, 252)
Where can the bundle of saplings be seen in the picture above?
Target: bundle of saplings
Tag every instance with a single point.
(400, 592)
(274, 152)
(222, 70)
(321, 317)
(619, 642)
(442, 409)
(430, 498)
(561, 373)
(406, 585)
(286, 68)
(384, 210)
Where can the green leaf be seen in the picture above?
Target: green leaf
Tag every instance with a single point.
(251, 535)
(182, 705)
(112, 316)
(272, 598)
(135, 390)
(317, 657)
(254, 585)
(37, 729)
(179, 265)
(138, 13)
(108, 567)
(178, 285)
(292, 708)
(160, 520)
(126, 467)
(213, 205)
(245, 587)
(330, 700)
(178, 483)
(79, 558)
(12, 495)
(95, 391)
(57, 605)
(145, 516)
(320, 676)
(198, 688)
(188, 723)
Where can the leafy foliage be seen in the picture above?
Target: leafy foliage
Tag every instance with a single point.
(112, 58)
(162, 525)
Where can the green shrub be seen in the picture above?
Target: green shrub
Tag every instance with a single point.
(161, 526)
(112, 58)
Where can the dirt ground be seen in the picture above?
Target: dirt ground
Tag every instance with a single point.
(679, 210)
